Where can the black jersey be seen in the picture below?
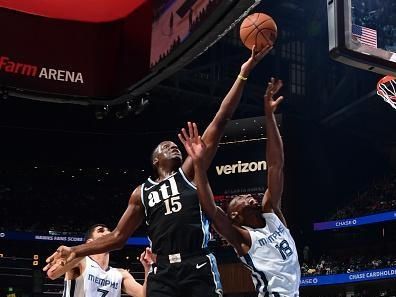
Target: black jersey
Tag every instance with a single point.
(175, 221)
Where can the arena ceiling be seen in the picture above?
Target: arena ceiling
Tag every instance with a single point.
(195, 92)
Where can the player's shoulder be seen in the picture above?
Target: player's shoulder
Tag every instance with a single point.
(271, 217)
(77, 269)
(136, 193)
(125, 273)
(80, 264)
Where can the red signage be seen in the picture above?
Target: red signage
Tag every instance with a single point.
(98, 56)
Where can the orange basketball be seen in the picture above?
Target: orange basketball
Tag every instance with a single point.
(258, 29)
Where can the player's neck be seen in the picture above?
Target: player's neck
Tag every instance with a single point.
(257, 221)
(166, 171)
(102, 260)
(166, 168)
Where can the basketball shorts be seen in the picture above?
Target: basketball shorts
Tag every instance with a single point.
(195, 276)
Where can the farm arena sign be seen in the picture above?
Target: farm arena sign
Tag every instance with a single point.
(9, 66)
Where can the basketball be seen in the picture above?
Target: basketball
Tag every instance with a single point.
(258, 29)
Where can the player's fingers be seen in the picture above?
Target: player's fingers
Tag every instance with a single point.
(181, 138)
(142, 256)
(195, 131)
(185, 135)
(265, 50)
(70, 258)
(278, 85)
(253, 51)
(53, 267)
(46, 267)
(268, 90)
(279, 100)
(190, 130)
(275, 85)
(51, 258)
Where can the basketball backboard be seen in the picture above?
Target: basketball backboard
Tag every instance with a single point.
(362, 34)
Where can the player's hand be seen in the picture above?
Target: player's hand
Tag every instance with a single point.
(270, 103)
(254, 59)
(61, 257)
(193, 142)
(147, 258)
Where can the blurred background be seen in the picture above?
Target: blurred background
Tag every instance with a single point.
(66, 166)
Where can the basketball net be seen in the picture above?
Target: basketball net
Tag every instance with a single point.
(386, 88)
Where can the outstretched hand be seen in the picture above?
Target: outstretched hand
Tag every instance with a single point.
(147, 258)
(269, 102)
(193, 142)
(254, 59)
(61, 257)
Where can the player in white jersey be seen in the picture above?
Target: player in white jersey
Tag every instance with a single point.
(258, 233)
(93, 277)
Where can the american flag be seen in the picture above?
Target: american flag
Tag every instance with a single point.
(365, 35)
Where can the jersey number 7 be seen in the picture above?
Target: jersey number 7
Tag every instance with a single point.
(104, 292)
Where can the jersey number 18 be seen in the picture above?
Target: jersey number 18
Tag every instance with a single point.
(284, 249)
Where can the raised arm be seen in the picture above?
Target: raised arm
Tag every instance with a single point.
(274, 153)
(129, 222)
(215, 130)
(195, 147)
(129, 284)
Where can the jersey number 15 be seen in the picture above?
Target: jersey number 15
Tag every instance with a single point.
(172, 205)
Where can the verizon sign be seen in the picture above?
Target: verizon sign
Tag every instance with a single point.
(240, 167)
(13, 67)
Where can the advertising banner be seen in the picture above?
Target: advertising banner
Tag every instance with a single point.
(239, 168)
(360, 276)
(60, 237)
(358, 221)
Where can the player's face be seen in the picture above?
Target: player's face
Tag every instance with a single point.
(99, 232)
(169, 150)
(244, 206)
(246, 201)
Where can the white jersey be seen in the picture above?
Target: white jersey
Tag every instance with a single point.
(94, 282)
(273, 259)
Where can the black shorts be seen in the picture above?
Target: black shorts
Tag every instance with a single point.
(193, 277)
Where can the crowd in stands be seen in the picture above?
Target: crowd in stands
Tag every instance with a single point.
(379, 197)
(39, 198)
(195, 19)
(379, 15)
(327, 265)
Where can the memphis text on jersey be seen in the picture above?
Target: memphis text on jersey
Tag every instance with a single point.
(102, 282)
(9, 66)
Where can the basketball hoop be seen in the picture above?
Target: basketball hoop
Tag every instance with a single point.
(386, 88)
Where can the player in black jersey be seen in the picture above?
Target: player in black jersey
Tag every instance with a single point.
(177, 228)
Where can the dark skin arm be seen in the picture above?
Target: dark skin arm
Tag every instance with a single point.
(129, 222)
(215, 130)
(238, 237)
(274, 154)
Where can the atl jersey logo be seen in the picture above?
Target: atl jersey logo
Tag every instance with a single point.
(169, 194)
